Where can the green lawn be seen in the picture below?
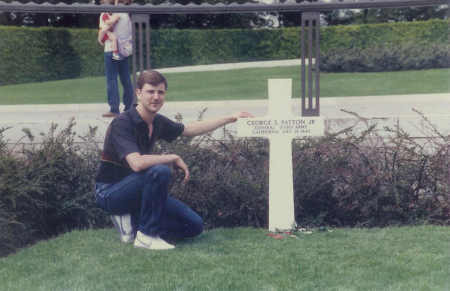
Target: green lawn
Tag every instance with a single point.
(234, 85)
(395, 258)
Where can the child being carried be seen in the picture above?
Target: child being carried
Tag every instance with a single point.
(106, 30)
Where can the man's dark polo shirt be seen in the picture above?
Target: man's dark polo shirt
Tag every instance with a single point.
(128, 133)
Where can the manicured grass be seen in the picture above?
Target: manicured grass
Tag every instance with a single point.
(405, 258)
(235, 85)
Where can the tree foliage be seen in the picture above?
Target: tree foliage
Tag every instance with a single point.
(203, 20)
(157, 21)
(49, 19)
(359, 16)
(244, 20)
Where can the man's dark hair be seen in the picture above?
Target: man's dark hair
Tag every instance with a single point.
(153, 78)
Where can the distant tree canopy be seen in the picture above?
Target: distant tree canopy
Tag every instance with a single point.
(157, 21)
(359, 16)
(204, 20)
(386, 15)
(49, 19)
(246, 20)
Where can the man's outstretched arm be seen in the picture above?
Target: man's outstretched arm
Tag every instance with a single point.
(204, 126)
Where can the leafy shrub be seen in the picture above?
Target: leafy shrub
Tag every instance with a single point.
(342, 179)
(64, 173)
(346, 179)
(229, 181)
(47, 189)
(407, 56)
(367, 181)
(12, 185)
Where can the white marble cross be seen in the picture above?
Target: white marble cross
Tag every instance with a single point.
(280, 126)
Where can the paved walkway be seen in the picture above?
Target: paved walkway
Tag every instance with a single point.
(233, 66)
(388, 110)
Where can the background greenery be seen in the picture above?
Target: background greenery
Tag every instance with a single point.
(43, 54)
(342, 180)
(244, 20)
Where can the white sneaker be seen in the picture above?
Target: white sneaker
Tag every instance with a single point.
(123, 225)
(151, 243)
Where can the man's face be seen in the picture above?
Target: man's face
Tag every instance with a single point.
(152, 97)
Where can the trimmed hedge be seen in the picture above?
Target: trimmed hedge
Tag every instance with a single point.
(386, 47)
(369, 35)
(42, 54)
(404, 56)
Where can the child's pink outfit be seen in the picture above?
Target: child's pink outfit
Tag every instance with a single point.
(105, 16)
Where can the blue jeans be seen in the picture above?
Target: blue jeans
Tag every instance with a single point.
(153, 212)
(112, 69)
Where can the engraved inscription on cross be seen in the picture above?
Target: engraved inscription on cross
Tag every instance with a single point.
(280, 126)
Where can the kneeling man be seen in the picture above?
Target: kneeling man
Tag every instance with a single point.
(132, 182)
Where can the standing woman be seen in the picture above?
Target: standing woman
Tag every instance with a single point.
(114, 67)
